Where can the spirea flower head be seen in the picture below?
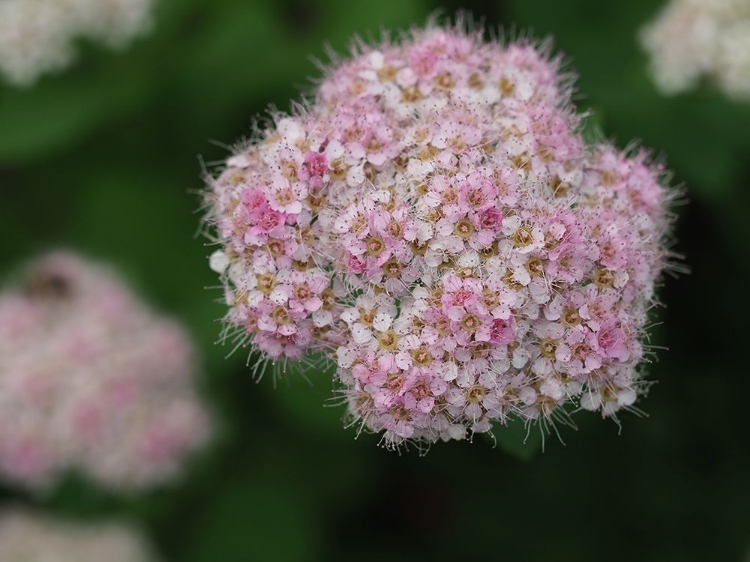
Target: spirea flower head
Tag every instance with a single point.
(38, 36)
(92, 381)
(29, 537)
(434, 223)
(692, 40)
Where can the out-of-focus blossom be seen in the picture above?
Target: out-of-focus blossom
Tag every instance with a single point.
(28, 537)
(691, 40)
(91, 380)
(434, 223)
(38, 36)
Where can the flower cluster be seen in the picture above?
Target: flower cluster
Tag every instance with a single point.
(28, 537)
(38, 36)
(435, 224)
(694, 39)
(91, 380)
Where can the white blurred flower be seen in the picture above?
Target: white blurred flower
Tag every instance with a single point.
(694, 39)
(92, 380)
(38, 36)
(26, 537)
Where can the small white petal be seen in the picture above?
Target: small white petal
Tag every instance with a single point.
(218, 261)
(382, 321)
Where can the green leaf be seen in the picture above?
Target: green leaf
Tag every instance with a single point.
(256, 517)
(61, 110)
(305, 396)
(76, 496)
(518, 440)
(593, 126)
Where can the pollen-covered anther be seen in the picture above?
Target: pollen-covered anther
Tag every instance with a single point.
(546, 405)
(388, 341)
(392, 269)
(603, 278)
(375, 246)
(571, 317)
(475, 394)
(266, 283)
(506, 86)
(421, 356)
(329, 299)
(445, 81)
(412, 94)
(464, 229)
(523, 236)
(281, 315)
(470, 323)
(535, 266)
(548, 348)
(558, 187)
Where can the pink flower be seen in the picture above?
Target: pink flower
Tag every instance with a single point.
(80, 391)
(500, 332)
(313, 169)
(449, 241)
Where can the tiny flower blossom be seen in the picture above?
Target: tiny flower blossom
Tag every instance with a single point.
(462, 256)
(38, 36)
(92, 381)
(690, 40)
(30, 537)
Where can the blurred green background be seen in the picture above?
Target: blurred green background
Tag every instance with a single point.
(107, 157)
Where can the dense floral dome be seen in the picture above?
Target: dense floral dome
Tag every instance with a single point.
(92, 381)
(433, 222)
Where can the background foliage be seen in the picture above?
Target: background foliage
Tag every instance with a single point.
(105, 159)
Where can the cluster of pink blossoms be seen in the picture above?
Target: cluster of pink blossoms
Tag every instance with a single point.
(435, 224)
(92, 381)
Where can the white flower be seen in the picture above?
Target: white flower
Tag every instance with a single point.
(382, 321)
(691, 39)
(27, 536)
(37, 36)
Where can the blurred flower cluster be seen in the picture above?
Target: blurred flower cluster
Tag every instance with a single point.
(434, 223)
(28, 537)
(38, 36)
(92, 381)
(692, 40)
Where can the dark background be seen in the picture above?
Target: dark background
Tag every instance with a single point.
(105, 159)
